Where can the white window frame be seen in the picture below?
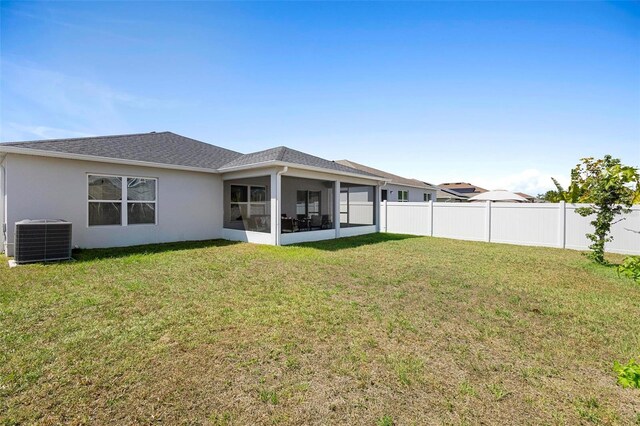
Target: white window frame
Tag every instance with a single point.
(405, 196)
(248, 203)
(306, 201)
(124, 202)
(127, 201)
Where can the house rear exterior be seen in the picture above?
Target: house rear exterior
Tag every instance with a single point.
(161, 187)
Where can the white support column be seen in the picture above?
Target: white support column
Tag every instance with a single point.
(431, 218)
(2, 206)
(562, 224)
(124, 218)
(385, 208)
(276, 185)
(7, 220)
(336, 207)
(378, 196)
(487, 222)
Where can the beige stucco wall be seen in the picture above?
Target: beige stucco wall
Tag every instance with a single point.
(190, 204)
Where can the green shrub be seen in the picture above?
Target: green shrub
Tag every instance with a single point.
(628, 375)
(630, 267)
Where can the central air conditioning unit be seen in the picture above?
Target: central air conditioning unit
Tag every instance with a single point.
(42, 240)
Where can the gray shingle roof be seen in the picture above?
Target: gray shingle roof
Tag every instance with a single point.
(171, 149)
(288, 155)
(161, 148)
(394, 179)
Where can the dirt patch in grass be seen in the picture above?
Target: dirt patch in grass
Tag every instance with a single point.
(377, 329)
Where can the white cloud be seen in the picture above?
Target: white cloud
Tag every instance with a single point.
(48, 103)
(16, 131)
(69, 20)
(530, 181)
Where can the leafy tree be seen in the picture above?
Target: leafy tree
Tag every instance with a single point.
(550, 196)
(610, 188)
(574, 194)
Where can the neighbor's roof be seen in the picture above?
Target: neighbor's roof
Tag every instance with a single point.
(497, 195)
(463, 187)
(527, 196)
(451, 194)
(160, 148)
(285, 155)
(394, 179)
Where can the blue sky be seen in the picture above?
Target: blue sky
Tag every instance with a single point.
(500, 94)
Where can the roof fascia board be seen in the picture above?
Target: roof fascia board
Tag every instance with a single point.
(326, 175)
(249, 173)
(300, 166)
(84, 157)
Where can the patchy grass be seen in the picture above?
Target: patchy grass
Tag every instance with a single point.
(381, 329)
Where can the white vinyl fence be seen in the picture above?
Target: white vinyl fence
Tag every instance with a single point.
(544, 224)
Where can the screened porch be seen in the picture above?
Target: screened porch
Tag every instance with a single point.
(286, 209)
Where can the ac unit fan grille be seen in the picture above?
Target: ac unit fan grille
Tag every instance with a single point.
(42, 242)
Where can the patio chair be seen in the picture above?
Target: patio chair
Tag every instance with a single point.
(316, 222)
(326, 222)
(303, 222)
(263, 223)
(250, 224)
(287, 225)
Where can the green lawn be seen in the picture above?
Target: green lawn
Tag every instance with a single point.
(361, 331)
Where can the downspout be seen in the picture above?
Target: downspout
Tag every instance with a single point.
(3, 203)
(284, 170)
(384, 183)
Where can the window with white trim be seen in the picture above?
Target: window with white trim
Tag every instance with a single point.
(427, 197)
(403, 196)
(247, 201)
(308, 203)
(141, 201)
(121, 200)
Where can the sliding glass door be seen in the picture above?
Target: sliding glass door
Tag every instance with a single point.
(308, 204)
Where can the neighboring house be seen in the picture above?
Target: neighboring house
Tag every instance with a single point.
(450, 196)
(162, 187)
(498, 196)
(458, 191)
(464, 188)
(397, 188)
